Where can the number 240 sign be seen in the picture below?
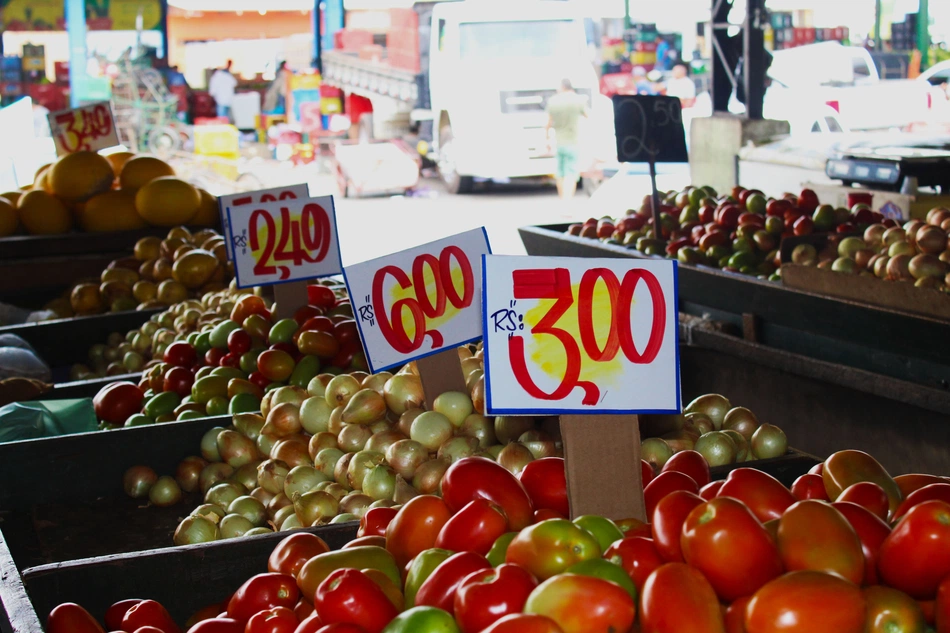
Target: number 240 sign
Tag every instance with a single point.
(570, 335)
(89, 128)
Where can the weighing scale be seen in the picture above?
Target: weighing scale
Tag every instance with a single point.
(888, 167)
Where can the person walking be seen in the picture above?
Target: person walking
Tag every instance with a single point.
(565, 110)
(221, 88)
(681, 86)
(275, 99)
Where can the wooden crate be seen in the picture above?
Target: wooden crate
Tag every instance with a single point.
(33, 246)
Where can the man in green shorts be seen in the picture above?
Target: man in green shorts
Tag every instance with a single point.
(565, 110)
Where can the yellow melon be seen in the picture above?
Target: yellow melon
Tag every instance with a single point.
(8, 218)
(118, 160)
(141, 170)
(79, 176)
(41, 213)
(208, 214)
(167, 201)
(12, 196)
(40, 181)
(111, 211)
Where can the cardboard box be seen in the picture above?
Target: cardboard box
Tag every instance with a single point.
(911, 206)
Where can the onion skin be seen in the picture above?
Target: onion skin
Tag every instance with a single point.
(138, 481)
(196, 530)
(514, 457)
(188, 472)
(283, 420)
(403, 392)
(213, 474)
(405, 457)
(271, 474)
(165, 492)
(428, 477)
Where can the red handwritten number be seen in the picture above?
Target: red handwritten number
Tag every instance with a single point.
(421, 306)
(556, 284)
(261, 267)
(296, 241)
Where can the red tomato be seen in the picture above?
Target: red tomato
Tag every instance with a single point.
(320, 296)
(734, 618)
(317, 324)
(817, 468)
(213, 357)
(474, 528)
(375, 521)
(218, 625)
(761, 492)
(849, 467)
(486, 596)
(346, 332)
(178, 380)
(583, 604)
(524, 623)
(258, 379)
(550, 547)
(813, 535)
(118, 401)
(148, 629)
(305, 313)
(809, 601)
(375, 541)
(724, 540)
(667, 522)
(677, 598)
(871, 531)
(312, 624)
(664, 484)
(239, 342)
(909, 483)
(480, 478)
(248, 305)
(340, 627)
(689, 463)
(71, 618)
(276, 620)
(646, 471)
(205, 613)
(809, 486)
(941, 619)
(349, 596)
(546, 484)
(633, 527)
(303, 609)
(180, 354)
(915, 557)
(544, 515)
(263, 591)
(149, 613)
(116, 612)
(890, 611)
(868, 495)
(295, 550)
(930, 492)
(638, 557)
(416, 526)
(439, 589)
(711, 489)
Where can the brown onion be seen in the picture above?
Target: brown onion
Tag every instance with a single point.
(262, 495)
(342, 468)
(315, 505)
(335, 422)
(403, 491)
(249, 424)
(405, 456)
(456, 448)
(271, 474)
(265, 443)
(326, 461)
(294, 449)
(403, 392)
(539, 443)
(364, 407)
(321, 441)
(741, 420)
(355, 503)
(315, 415)
(279, 501)
(380, 482)
(235, 449)
(480, 428)
(382, 440)
(509, 429)
(341, 389)
(361, 464)
(283, 420)
(404, 424)
(428, 477)
(246, 475)
(377, 382)
(138, 480)
(514, 457)
(209, 444)
(353, 438)
(302, 479)
(213, 474)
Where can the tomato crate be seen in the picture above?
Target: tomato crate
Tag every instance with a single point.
(119, 243)
(33, 282)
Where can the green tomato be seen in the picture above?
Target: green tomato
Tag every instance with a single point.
(606, 570)
(209, 387)
(423, 620)
(548, 548)
(139, 419)
(162, 403)
(421, 567)
(273, 385)
(192, 339)
(304, 371)
(496, 555)
(604, 530)
(248, 361)
(228, 372)
(283, 331)
(244, 403)
(219, 335)
(203, 371)
(190, 415)
(202, 343)
(217, 405)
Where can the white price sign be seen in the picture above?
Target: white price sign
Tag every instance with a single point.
(578, 335)
(89, 128)
(262, 196)
(279, 242)
(420, 301)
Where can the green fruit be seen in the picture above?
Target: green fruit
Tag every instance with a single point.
(824, 217)
(219, 335)
(741, 260)
(605, 570)
(138, 420)
(248, 361)
(217, 405)
(423, 620)
(190, 415)
(162, 403)
(717, 252)
(604, 530)
(202, 343)
(496, 555)
(283, 331)
(756, 203)
(204, 371)
(690, 255)
(774, 225)
(210, 387)
(304, 371)
(775, 276)
(228, 372)
(244, 403)
(743, 245)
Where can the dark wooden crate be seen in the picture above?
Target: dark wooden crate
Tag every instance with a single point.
(31, 283)
(32, 246)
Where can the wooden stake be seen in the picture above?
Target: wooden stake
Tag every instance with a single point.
(440, 373)
(289, 297)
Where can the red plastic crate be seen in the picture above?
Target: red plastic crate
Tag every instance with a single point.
(403, 18)
(354, 39)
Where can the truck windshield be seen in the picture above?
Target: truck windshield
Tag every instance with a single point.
(497, 40)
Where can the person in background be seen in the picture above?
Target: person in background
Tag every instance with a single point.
(565, 110)
(221, 88)
(662, 48)
(275, 99)
(643, 85)
(681, 86)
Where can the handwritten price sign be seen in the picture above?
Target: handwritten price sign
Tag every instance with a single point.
(566, 335)
(262, 196)
(89, 128)
(649, 129)
(420, 301)
(279, 242)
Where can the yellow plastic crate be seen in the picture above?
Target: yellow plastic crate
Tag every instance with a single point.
(305, 82)
(217, 140)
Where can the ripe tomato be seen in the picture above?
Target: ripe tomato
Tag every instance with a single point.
(480, 478)
(248, 305)
(213, 357)
(312, 624)
(275, 364)
(638, 557)
(583, 604)
(869, 495)
(546, 484)
(375, 521)
(813, 535)
(550, 547)
(346, 332)
(239, 342)
(892, 611)
(218, 625)
(667, 523)
(149, 613)
(723, 539)
(930, 492)
(871, 531)
(806, 601)
(544, 515)
(415, 527)
(71, 618)
(633, 527)
(689, 463)
(295, 550)
(664, 484)
(303, 609)
(276, 620)
(910, 483)
(118, 401)
(760, 492)
(646, 471)
(348, 596)
(809, 486)
(711, 489)
(942, 607)
(178, 380)
(734, 617)
(376, 541)
(317, 324)
(849, 467)
(677, 598)
(486, 596)
(117, 611)
(914, 557)
(263, 591)
(180, 354)
(524, 623)
(474, 528)
(320, 296)
(439, 589)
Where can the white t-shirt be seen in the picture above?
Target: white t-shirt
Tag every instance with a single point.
(684, 88)
(221, 87)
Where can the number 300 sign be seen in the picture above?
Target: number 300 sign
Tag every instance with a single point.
(580, 335)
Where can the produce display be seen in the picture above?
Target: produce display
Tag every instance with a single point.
(95, 194)
(916, 252)
(739, 233)
(847, 549)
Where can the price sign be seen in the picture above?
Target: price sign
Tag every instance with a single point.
(420, 301)
(89, 128)
(571, 335)
(280, 242)
(262, 196)
(649, 129)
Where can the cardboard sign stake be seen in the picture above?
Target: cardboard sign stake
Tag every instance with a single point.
(655, 201)
(440, 373)
(289, 297)
(602, 463)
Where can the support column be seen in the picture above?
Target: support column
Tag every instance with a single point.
(76, 32)
(923, 33)
(163, 27)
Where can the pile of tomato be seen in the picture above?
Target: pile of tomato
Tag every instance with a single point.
(847, 549)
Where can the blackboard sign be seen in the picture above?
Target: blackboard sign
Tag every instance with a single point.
(649, 129)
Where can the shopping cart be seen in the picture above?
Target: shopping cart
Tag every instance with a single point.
(145, 111)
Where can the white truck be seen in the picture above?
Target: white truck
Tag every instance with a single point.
(487, 70)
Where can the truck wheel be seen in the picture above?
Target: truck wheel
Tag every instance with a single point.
(454, 183)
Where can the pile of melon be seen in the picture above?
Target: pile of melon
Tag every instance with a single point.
(95, 193)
